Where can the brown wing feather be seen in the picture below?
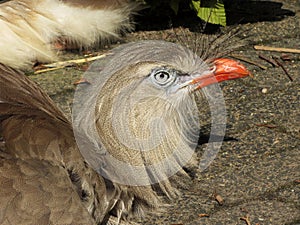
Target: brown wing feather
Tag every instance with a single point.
(41, 159)
(24, 97)
(36, 192)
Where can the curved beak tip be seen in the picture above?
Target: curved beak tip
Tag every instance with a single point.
(230, 68)
(223, 69)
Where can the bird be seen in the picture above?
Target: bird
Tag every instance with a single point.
(134, 128)
(35, 31)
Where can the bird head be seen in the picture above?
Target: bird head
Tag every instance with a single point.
(138, 122)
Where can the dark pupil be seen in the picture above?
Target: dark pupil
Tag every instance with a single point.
(163, 75)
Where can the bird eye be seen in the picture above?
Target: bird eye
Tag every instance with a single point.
(163, 77)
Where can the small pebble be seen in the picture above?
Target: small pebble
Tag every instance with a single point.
(264, 90)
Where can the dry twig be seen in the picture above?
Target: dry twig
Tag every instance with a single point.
(48, 70)
(62, 64)
(284, 69)
(74, 61)
(271, 61)
(275, 49)
(81, 81)
(246, 219)
(218, 198)
(242, 58)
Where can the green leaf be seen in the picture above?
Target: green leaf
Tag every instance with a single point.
(212, 11)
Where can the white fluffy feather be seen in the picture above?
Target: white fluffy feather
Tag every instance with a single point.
(28, 28)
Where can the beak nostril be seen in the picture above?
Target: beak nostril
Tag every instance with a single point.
(213, 69)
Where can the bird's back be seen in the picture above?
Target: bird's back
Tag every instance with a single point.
(44, 179)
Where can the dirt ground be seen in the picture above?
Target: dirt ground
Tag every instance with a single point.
(257, 171)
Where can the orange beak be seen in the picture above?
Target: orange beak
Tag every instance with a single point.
(223, 69)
